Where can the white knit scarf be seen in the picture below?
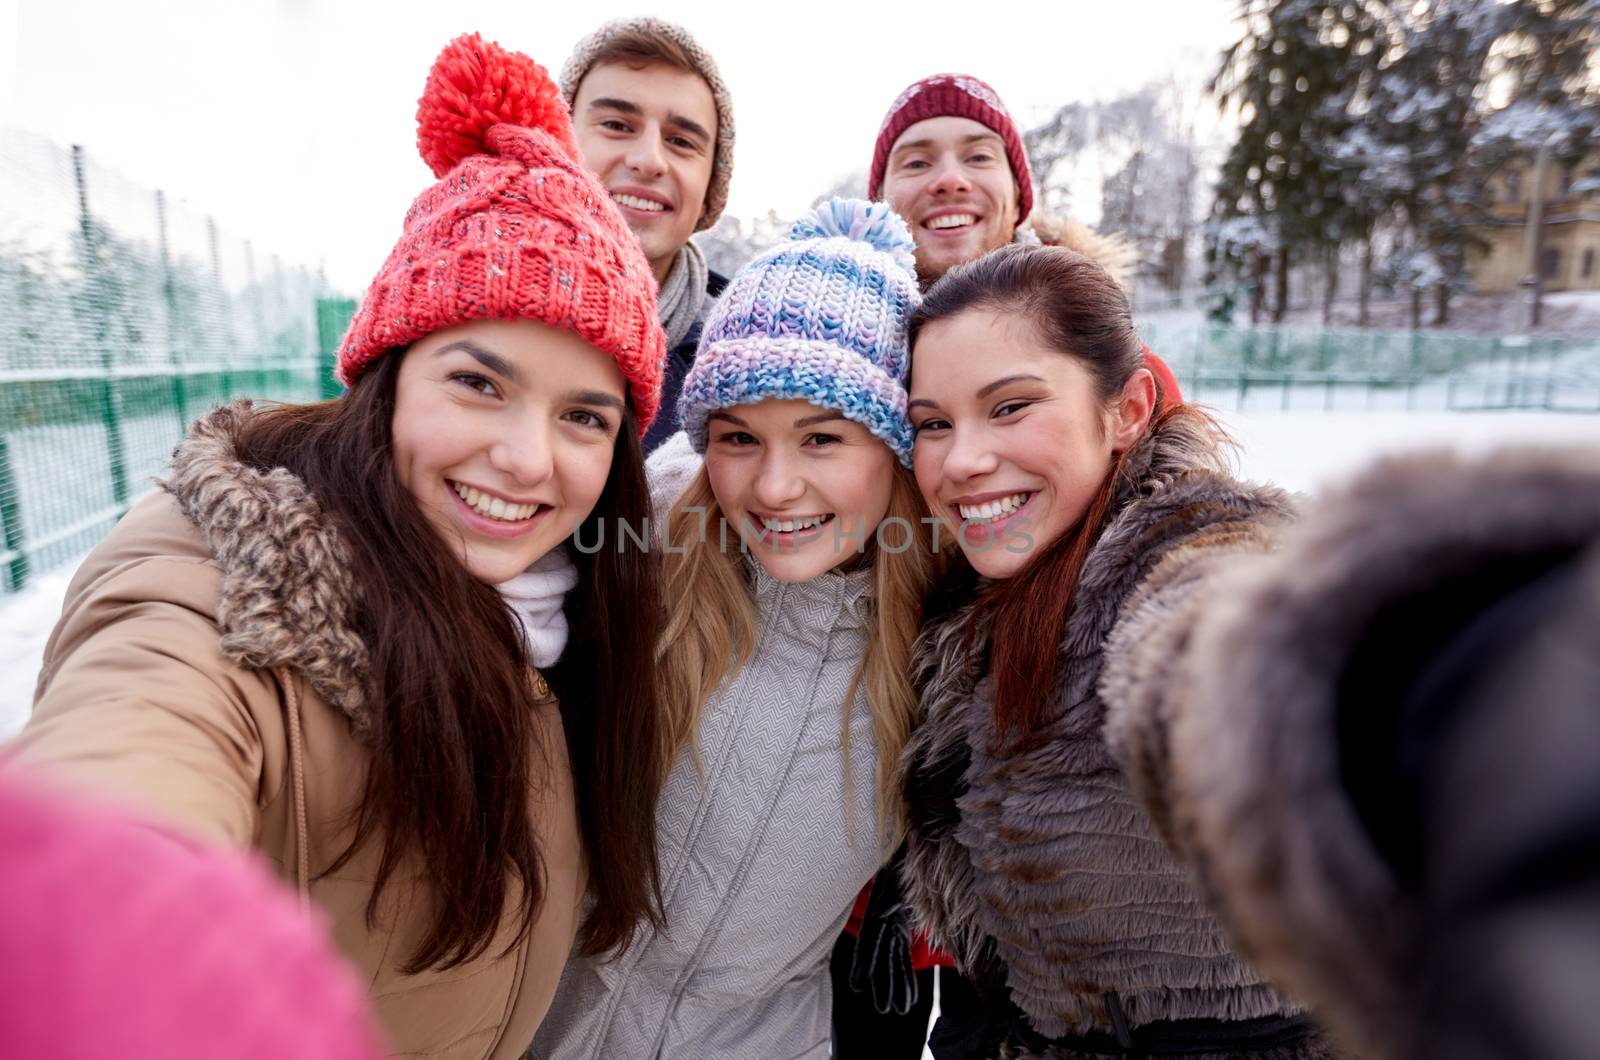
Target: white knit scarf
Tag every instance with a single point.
(536, 595)
(683, 293)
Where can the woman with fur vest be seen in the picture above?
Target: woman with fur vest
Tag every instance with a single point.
(1080, 509)
(797, 557)
(348, 635)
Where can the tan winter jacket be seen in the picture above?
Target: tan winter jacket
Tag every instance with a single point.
(206, 671)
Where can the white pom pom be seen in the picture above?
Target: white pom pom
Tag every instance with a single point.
(872, 223)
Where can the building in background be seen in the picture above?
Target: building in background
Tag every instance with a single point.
(1569, 259)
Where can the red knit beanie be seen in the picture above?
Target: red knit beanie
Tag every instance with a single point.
(957, 96)
(516, 229)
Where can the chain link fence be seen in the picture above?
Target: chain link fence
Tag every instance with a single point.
(122, 317)
(1280, 368)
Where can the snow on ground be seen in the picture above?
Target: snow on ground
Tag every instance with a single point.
(1299, 450)
(26, 619)
(1307, 451)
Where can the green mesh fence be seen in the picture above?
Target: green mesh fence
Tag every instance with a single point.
(122, 318)
(1273, 368)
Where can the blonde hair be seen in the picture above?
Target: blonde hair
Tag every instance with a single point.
(711, 627)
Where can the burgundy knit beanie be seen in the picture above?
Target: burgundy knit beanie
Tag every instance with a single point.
(953, 96)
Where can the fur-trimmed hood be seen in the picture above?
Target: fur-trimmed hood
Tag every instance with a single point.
(1258, 796)
(288, 599)
(1111, 252)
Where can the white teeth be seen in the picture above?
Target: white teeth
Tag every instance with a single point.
(990, 510)
(954, 220)
(789, 526)
(494, 507)
(638, 203)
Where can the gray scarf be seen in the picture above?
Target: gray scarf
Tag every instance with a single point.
(683, 293)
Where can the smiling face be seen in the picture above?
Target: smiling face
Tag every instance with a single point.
(949, 178)
(1012, 439)
(503, 432)
(649, 133)
(804, 486)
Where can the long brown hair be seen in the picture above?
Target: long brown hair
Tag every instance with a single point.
(456, 759)
(1079, 310)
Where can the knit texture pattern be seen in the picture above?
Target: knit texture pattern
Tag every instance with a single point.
(820, 317)
(583, 58)
(953, 96)
(537, 597)
(515, 229)
(683, 294)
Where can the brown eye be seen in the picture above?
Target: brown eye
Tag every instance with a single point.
(588, 418)
(475, 382)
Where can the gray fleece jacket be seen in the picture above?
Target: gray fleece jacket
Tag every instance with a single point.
(758, 867)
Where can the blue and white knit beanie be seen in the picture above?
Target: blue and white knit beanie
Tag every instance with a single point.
(820, 317)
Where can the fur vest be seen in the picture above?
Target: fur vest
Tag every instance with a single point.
(1036, 864)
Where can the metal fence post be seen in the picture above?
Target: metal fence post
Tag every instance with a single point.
(256, 357)
(169, 299)
(282, 339)
(224, 376)
(110, 388)
(1412, 370)
(333, 317)
(16, 561)
(1245, 363)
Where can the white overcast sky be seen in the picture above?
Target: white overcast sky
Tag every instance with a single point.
(292, 121)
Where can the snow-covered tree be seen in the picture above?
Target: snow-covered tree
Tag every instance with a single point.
(1293, 58)
(1149, 199)
(1399, 113)
(1053, 146)
(731, 243)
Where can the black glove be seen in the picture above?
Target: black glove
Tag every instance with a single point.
(882, 959)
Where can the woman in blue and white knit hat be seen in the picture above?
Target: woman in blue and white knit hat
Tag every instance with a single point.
(798, 557)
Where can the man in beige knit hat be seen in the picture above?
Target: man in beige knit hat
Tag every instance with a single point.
(655, 123)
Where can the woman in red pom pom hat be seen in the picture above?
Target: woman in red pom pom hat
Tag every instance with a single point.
(351, 634)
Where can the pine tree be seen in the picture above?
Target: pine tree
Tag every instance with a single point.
(1294, 57)
(1409, 148)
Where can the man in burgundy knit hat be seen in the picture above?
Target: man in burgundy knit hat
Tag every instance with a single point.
(949, 160)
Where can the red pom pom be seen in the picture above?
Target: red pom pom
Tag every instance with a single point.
(475, 85)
